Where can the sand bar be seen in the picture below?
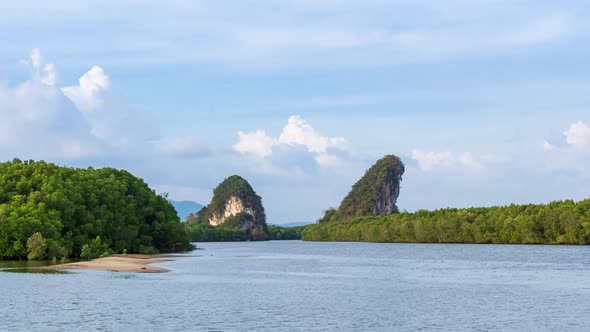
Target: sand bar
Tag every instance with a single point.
(117, 263)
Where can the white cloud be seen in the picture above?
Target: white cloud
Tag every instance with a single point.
(45, 73)
(575, 138)
(89, 94)
(36, 58)
(42, 120)
(433, 161)
(256, 143)
(578, 136)
(570, 152)
(50, 77)
(38, 121)
(297, 133)
(111, 121)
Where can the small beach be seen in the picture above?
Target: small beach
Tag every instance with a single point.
(118, 263)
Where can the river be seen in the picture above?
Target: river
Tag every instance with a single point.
(310, 286)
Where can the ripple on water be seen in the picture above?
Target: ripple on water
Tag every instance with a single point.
(299, 286)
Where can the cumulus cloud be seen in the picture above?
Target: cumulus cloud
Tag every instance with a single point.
(89, 94)
(297, 134)
(433, 161)
(42, 120)
(36, 58)
(257, 143)
(569, 151)
(50, 77)
(45, 73)
(578, 136)
(111, 121)
(39, 121)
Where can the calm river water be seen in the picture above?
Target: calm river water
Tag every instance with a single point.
(307, 286)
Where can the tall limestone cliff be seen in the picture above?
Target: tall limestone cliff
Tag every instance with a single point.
(374, 194)
(236, 204)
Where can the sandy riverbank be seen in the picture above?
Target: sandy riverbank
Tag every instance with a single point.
(117, 263)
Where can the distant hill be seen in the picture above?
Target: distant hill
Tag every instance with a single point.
(184, 208)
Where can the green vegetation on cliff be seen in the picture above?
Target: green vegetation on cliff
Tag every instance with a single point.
(563, 222)
(233, 194)
(236, 186)
(47, 211)
(374, 194)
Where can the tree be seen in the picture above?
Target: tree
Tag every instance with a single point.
(93, 249)
(36, 247)
(69, 206)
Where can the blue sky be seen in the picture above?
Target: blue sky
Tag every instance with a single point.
(485, 101)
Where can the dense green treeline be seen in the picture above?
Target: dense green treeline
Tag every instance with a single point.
(207, 233)
(69, 208)
(285, 233)
(562, 222)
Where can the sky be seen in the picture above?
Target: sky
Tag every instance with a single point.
(487, 102)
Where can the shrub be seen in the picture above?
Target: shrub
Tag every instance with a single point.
(56, 250)
(93, 249)
(36, 247)
(148, 250)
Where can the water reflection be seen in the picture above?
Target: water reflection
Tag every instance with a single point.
(22, 264)
(34, 271)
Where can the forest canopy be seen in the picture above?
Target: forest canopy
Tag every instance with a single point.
(561, 222)
(48, 211)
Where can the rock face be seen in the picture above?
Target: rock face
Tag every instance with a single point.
(235, 204)
(376, 192)
(232, 207)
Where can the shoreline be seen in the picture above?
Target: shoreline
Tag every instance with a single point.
(134, 263)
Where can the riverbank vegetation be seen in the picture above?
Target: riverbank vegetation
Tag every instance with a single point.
(561, 222)
(208, 233)
(48, 211)
(285, 233)
(227, 233)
